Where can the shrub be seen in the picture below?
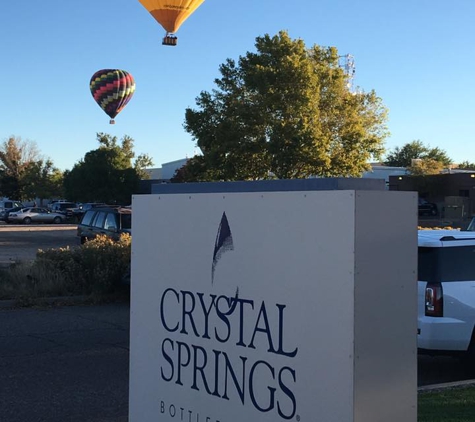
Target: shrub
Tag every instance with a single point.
(99, 267)
(26, 281)
(105, 263)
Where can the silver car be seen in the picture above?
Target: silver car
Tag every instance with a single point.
(35, 215)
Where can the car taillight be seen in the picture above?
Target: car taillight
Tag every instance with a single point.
(434, 300)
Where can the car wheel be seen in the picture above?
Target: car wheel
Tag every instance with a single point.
(57, 220)
(83, 240)
(27, 220)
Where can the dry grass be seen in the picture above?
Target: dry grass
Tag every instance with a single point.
(97, 268)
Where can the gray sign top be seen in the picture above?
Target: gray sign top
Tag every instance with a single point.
(337, 183)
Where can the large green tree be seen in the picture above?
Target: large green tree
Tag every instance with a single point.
(107, 174)
(24, 173)
(285, 111)
(417, 150)
(42, 180)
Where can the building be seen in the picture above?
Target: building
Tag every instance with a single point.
(379, 171)
(166, 172)
(160, 175)
(454, 193)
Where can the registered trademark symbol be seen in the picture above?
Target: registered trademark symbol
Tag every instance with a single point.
(297, 418)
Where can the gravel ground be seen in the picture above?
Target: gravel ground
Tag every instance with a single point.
(20, 243)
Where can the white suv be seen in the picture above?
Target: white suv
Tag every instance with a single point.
(446, 293)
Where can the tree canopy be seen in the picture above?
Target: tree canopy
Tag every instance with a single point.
(25, 174)
(107, 174)
(425, 167)
(285, 111)
(466, 165)
(429, 160)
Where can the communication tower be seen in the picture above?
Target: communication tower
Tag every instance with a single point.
(347, 63)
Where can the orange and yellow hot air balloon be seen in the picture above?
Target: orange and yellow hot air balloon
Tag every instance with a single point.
(171, 14)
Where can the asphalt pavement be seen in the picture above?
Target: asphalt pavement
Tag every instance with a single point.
(67, 364)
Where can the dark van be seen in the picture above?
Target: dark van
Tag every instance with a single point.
(111, 222)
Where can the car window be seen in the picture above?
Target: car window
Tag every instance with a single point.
(99, 220)
(111, 223)
(446, 264)
(86, 220)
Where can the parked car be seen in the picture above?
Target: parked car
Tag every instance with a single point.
(471, 226)
(446, 293)
(35, 215)
(427, 208)
(62, 207)
(75, 214)
(7, 205)
(5, 213)
(50, 205)
(111, 221)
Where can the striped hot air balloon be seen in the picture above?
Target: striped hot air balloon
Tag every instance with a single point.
(112, 89)
(171, 14)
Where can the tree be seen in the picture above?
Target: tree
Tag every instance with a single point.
(416, 150)
(425, 167)
(466, 165)
(24, 173)
(193, 170)
(15, 156)
(285, 111)
(42, 180)
(142, 162)
(106, 174)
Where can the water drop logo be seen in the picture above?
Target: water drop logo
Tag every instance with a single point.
(223, 244)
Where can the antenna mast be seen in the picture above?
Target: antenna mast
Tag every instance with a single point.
(347, 63)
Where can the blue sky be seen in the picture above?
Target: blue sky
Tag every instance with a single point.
(416, 54)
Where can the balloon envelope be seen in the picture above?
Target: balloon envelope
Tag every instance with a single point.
(112, 89)
(171, 13)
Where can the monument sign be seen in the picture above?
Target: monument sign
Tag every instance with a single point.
(274, 306)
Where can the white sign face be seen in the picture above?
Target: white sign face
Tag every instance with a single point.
(242, 307)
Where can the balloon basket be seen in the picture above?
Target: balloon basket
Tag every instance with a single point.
(169, 40)
(112, 122)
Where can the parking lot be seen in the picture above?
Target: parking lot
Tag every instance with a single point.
(76, 358)
(20, 243)
(64, 363)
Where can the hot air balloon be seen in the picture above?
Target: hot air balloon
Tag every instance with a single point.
(112, 89)
(171, 14)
